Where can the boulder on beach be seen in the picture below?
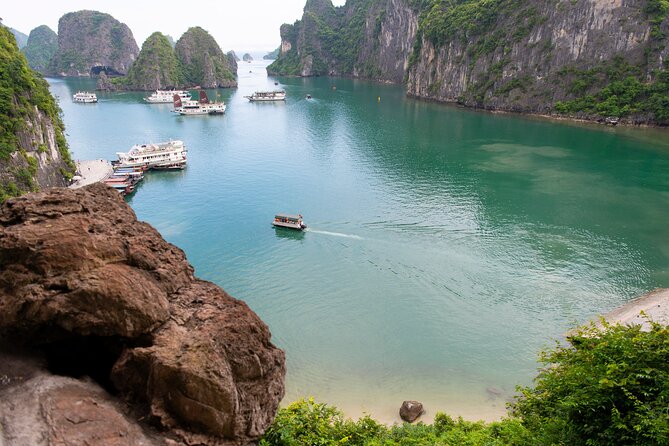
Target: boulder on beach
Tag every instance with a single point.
(411, 410)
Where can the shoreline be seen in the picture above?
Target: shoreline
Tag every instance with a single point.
(654, 305)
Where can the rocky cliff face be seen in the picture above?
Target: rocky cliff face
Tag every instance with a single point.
(535, 54)
(539, 56)
(90, 42)
(42, 45)
(33, 150)
(101, 294)
(203, 62)
(363, 38)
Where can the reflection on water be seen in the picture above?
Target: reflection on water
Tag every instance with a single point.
(288, 234)
(445, 246)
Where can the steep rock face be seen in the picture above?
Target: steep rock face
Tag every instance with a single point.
(363, 38)
(90, 42)
(42, 45)
(203, 62)
(79, 273)
(156, 66)
(33, 150)
(528, 55)
(232, 60)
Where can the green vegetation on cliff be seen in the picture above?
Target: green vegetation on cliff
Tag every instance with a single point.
(42, 45)
(608, 386)
(203, 61)
(156, 66)
(22, 91)
(625, 92)
(272, 54)
(333, 38)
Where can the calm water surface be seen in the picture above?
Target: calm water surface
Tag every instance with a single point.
(445, 247)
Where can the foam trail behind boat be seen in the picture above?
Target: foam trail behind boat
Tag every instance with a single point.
(335, 234)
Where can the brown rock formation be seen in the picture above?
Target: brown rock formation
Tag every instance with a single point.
(80, 276)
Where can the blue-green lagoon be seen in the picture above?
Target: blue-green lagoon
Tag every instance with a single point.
(445, 246)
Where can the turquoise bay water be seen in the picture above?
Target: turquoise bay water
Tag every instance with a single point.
(445, 246)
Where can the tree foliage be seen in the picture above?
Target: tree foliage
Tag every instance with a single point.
(609, 386)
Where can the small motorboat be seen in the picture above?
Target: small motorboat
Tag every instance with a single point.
(308, 96)
(289, 221)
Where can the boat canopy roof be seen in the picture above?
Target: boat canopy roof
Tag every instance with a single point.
(293, 217)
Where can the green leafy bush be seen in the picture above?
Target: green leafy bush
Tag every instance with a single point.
(609, 386)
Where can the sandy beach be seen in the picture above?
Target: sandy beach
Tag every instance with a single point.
(91, 171)
(655, 305)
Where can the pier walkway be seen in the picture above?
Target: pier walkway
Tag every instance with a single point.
(91, 171)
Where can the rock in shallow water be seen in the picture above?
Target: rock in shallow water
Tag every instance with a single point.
(76, 264)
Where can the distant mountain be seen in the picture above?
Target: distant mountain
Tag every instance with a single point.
(203, 62)
(171, 40)
(42, 45)
(21, 39)
(272, 54)
(247, 57)
(90, 42)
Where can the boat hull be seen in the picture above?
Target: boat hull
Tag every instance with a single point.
(296, 226)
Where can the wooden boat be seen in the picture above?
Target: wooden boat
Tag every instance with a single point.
(289, 221)
(201, 107)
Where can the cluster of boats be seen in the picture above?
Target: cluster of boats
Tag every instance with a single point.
(130, 166)
(124, 179)
(185, 105)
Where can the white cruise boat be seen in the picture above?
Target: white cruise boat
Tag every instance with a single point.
(201, 107)
(167, 96)
(266, 96)
(164, 155)
(84, 97)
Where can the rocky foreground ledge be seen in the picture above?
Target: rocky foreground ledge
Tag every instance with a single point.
(108, 338)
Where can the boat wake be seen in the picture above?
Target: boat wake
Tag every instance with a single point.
(335, 234)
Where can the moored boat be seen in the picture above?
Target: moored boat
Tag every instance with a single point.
(84, 97)
(289, 221)
(166, 155)
(267, 96)
(201, 107)
(167, 96)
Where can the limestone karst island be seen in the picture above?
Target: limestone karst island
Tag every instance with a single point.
(335, 222)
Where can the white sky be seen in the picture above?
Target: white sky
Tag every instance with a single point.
(240, 25)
